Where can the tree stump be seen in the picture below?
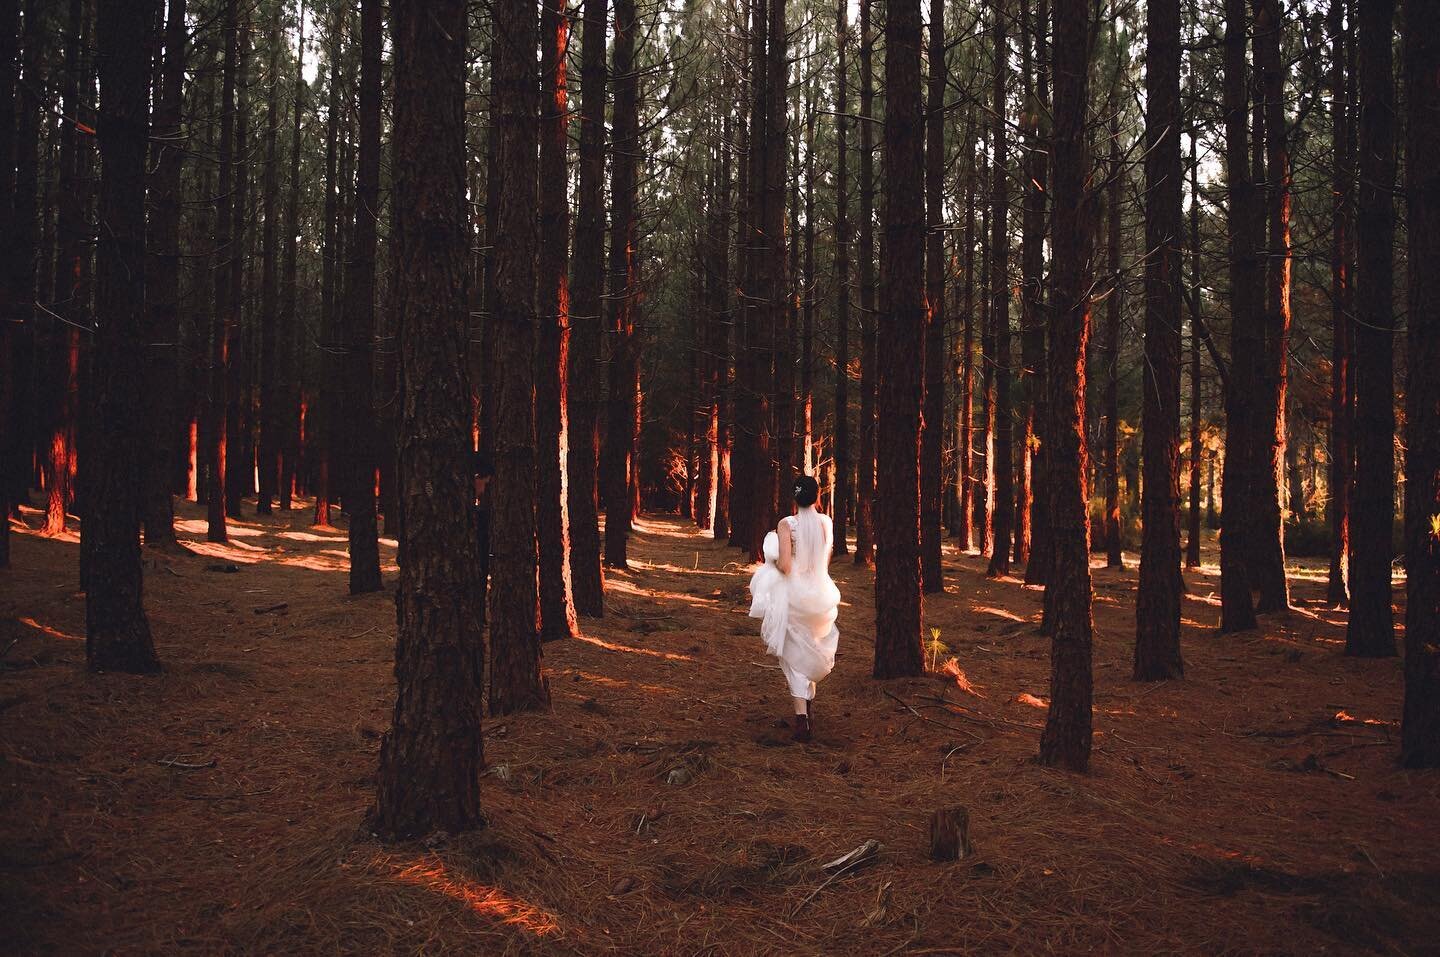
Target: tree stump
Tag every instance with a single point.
(949, 834)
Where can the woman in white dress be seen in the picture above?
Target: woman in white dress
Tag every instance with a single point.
(793, 596)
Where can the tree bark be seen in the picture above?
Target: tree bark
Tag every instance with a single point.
(1341, 451)
(430, 760)
(320, 425)
(557, 610)
(268, 453)
(9, 307)
(223, 318)
(1003, 519)
(1157, 606)
(516, 683)
(117, 633)
(840, 511)
(1197, 449)
(1065, 741)
(619, 454)
(1032, 533)
(360, 457)
(966, 452)
(898, 650)
(1371, 629)
(1238, 480)
(289, 331)
(587, 578)
(932, 429)
(865, 256)
(1420, 727)
(1274, 592)
(1110, 428)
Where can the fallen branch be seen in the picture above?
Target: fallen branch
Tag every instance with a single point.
(942, 724)
(185, 765)
(269, 608)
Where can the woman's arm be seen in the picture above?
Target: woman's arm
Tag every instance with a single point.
(783, 562)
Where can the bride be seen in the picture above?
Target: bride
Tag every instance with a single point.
(797, 602)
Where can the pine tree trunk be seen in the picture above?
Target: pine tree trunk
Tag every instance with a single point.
(840, 511)
(865, 255)
(22, 266)
(983, 435)
(359, 362)
(898, 649)
(587, 578)
(1065, 740)
(288, 371)
(1341, 451)
(430, 760)
(1420, 728)
(1157, 606)
(61, 342)
(1274, 592)
(1110, 429)
(966, 452)
(1371, 630)
(10, 432)
(321, 424)
(1192, 546)
(222, 319)
(516, 683)
(557, 610)
(1032, 538)
(1238, 481)
(619, 453)
(1003, 518)
(933, 421)
(117, 633)
(268, 453)
(238, 463)
(724, 349)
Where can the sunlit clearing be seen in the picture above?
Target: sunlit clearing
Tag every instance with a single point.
(199, 526)
(46, 629)
(485, 901)
(1027, 698)
(610, 646)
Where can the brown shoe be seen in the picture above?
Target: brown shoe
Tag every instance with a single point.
(802, 729)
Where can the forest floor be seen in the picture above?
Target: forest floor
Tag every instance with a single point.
(1254, 807)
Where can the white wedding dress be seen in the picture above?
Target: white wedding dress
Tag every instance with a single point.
(797, 611)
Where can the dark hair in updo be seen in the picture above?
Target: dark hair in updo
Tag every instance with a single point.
(807, 490)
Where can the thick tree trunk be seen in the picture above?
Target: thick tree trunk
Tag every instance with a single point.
(1246, 221)
(1065, 740)
(557, 610)
(1341, 451)
(898, 650)
(619, 454)
(1197, 449)
(1157, 606)
(516, 683)
(1420, 728)
(840, 511)
(288, 420)
(430, 760)
(320, 426)
(239, 465)
(9, 424)
(965, 451)
(932, 432)
(1032, 532)
(1003, 519)
(360, 456)
(117, 633)
(1269, 579)
(268, 452)
(222, 319)
(1110, 423)
(865, 255)
(582, 493)
(1371, 630)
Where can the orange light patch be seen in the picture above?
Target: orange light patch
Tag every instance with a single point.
(486, 901)
(46, 629)
(611, 646)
